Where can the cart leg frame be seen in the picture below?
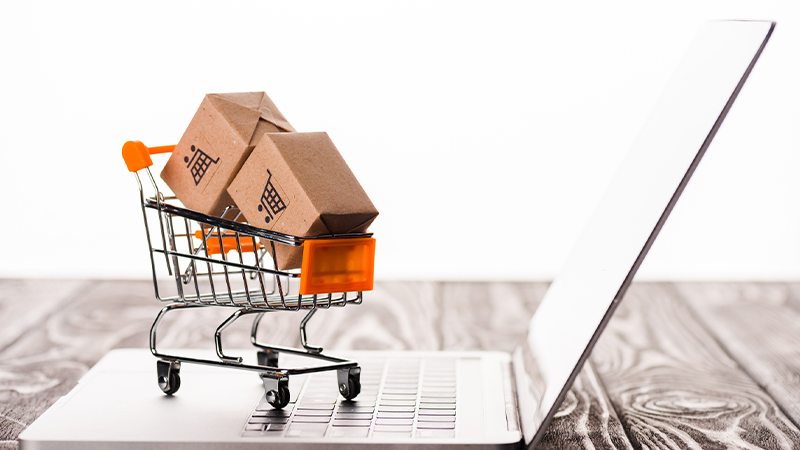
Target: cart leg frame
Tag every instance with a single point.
(274, 378)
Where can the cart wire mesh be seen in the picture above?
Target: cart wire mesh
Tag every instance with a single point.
(219, 261)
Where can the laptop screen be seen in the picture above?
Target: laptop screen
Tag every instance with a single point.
(582, 298)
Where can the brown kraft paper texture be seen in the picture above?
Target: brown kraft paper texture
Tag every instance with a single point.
(220, 137)
(299, 184)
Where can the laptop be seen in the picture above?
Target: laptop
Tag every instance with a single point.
(422, 399)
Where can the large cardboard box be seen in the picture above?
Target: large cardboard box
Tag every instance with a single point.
(219, 139)
(299, 184)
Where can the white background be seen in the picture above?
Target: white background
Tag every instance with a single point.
(484, 132)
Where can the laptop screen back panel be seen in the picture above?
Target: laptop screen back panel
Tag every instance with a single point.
(582, 298)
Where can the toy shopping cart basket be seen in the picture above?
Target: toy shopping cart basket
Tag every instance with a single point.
(201, 261)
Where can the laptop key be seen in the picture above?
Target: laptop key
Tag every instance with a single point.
(356, 409)
(312, 413)
(318, 401)
(351, 415)
(396, 408)
(427, 418)
(437, 412)
(262, 420)
(447, 395)
(313, 407)
(438, 391)
(351, 422)
(275, 427)
(435, 406)
(398, 396)
(395, 415)
(366, 403)
(394, 421)
(306, 430)
(398, 402)
(310, 419)
(357, 432)
(265, 408)
(359, 402)
(400, 386)
(327, 395)
(426, 400)
(273, 413)
(400, 391)
(437, 425)
(254, 427)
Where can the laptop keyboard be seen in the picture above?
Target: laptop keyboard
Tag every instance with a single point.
(404, 397)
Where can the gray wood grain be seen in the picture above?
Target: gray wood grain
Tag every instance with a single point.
(586, 419)
(23, 305)
(673, 386)
(46, 361)
(46, 358)
(487, 316)
(759, 326)
(494, 316)
(24, 302)
(667, 377)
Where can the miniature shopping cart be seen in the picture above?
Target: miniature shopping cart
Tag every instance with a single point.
(203, 261)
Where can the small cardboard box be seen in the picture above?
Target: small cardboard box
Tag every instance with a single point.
(299, 184)
(219, 139)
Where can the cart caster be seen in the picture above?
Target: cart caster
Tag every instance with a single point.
(349, 382)
(278, 398)
(277, 391)
(169, 376)
(267, 358)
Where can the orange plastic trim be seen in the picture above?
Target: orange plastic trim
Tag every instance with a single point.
(161, 149)
(228, 242)
(137, 155)
(337, 265)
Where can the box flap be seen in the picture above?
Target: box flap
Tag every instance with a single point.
(271, 114)
(325, 179)
(348, 223)
(243, 110)
(243, 120)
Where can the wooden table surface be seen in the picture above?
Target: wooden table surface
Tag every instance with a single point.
(702, 365)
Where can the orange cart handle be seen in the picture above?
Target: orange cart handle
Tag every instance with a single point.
(137, 155)
(228, 243)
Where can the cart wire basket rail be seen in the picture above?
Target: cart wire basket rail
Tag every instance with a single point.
(199, 261)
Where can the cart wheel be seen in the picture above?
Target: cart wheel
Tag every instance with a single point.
(280, 398)
(353, 386)
(267, 358)
(173, 385)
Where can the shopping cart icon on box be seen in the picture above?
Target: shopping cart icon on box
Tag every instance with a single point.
(199, 164)
(189, 256)
(271, 201)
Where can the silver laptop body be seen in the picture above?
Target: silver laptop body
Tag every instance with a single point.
(419, 399)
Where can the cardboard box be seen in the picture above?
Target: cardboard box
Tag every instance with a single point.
(219, 139)
(299, 184)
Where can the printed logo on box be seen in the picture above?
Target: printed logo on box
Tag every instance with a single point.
(199, 164)
(271, 200)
